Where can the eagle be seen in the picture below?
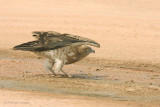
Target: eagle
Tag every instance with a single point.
(59, 49)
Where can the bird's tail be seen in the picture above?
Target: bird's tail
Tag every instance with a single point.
(29, 46)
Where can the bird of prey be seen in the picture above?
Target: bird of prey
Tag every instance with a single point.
(59, 49)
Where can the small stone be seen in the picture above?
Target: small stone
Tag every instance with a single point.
(132, 81)
(97, 69)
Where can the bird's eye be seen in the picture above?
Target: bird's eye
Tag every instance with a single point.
(87, 49)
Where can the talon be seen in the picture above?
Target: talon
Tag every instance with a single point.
(54, 74)
(69, 76)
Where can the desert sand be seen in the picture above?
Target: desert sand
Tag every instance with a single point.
(125, 71)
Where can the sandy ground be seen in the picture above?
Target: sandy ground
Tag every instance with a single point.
(125, 71)
(39, 99)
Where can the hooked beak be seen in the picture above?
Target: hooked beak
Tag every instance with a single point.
(92, 51)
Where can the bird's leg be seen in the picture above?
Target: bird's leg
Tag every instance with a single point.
(59, 65)
(48, 65)
(66, 74)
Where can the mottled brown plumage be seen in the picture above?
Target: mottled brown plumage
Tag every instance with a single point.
(59, 49)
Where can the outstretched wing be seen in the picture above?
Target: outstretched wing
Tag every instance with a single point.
(53, 40)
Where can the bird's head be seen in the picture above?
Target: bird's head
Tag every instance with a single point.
(88, 49)
(85, 50)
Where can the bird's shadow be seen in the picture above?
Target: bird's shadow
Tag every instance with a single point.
(75, 76)
(86, 76)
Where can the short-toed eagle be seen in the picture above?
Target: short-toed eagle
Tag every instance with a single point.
(59, 49)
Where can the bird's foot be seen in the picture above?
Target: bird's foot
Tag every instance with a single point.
(60, 75)
(69, 76)
(54, 75)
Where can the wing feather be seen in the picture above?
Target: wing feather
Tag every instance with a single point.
(52, 40)
(52, 37)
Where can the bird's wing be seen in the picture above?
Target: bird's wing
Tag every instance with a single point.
(29, 46)
(53, 40)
